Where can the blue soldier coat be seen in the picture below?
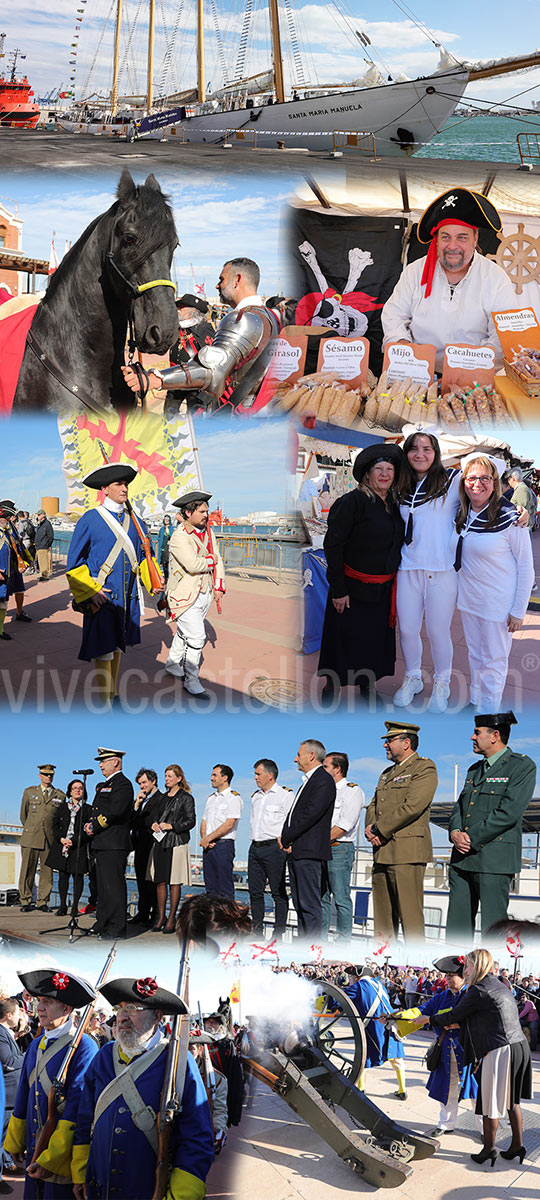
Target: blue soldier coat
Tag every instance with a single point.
(122, 1162)
(32, 1100)
(438, 1084)
(15, 579)
(381, 1043)
(5, 566)
(117, 624)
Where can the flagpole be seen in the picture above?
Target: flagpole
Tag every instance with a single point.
(195, 449)
(114, 92)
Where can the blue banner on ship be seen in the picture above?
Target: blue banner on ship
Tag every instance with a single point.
(171, 116)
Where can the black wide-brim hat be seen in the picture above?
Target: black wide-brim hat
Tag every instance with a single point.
(495, 720)
(191, 498)
(451, 964)
(189, 301)
(114, 472)
(146, 993)
(7, 509)
(462, 205)
(59, 985)
(377, 452)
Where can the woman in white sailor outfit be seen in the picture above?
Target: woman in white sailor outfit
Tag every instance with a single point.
(494, 566)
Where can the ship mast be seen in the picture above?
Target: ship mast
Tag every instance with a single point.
(200, 51)
(276, 52)
(150, 73)
(114, 92)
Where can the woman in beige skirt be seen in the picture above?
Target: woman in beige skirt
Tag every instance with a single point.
(169, 862)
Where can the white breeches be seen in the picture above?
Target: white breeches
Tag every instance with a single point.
(433, 593)
(188, 641)
(488, 647)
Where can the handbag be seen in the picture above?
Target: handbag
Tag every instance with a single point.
(433, 1054)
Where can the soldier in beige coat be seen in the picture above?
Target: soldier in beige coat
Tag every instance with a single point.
(397, 826)
(196, 575)
(38, 807)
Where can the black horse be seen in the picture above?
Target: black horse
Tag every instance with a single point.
(76, 344)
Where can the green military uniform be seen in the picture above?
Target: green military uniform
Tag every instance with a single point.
(400, 811)
(38, 808)
(490, 809)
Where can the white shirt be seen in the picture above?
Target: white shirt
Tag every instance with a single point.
(113, 506)
(269, 811)
(220, 807)
(51, 1034)
(303, 784)
(433, 547)
(458, 312)
(249, 300)
(497, 574)
(350, 801)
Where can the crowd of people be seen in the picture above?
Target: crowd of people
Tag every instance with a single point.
(308, 837)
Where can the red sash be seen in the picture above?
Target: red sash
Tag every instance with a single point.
(352, 574)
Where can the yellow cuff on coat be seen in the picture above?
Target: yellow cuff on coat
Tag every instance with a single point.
(15, 1141)
(144, 574)
(79, 1160)
(57, 1156)
(184, 1186)
(83, 586)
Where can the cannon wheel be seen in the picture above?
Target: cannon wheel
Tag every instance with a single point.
(340, 1035)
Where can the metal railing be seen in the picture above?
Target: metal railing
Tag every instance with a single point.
(247, 136)
(529, 148)
(343, 139)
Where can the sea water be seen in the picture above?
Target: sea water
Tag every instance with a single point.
(487, 138)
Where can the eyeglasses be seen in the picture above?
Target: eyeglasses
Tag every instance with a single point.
(483, 479)
(396, 737)
(129, 1008)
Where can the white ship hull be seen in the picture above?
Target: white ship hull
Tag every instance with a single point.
(421, 107)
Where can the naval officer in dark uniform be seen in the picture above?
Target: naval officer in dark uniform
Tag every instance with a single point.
(486, 827)
(108, 831)
(397, 826)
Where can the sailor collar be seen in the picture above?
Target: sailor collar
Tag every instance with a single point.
(478, 522)
(415, 499)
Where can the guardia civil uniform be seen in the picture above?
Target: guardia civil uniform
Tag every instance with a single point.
(116, 1137)
(39, 806)
(42, 1062)
(490, 808)
(399, 811)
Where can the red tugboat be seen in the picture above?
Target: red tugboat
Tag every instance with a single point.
(16, 108)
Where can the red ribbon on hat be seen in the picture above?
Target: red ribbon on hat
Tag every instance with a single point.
(60, 981)
(431, 257)
(146, 987)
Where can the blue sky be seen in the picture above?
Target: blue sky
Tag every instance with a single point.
(238, 740)
(242, 464)
(244, 219)
(464, 29)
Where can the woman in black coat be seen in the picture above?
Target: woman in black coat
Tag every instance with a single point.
(64, 857)
(363, 551)
(492, 1035)
(169, 863)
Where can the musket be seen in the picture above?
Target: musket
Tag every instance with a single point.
(209, 1073)
(58, 1087)
(170, 1104)
(23, 556)
(156, 579)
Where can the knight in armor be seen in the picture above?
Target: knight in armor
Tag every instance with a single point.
(194, 332)
(58, 992)
(116, 1137)
(231, 369)
(196, 577)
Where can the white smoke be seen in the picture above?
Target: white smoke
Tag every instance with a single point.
(276, 1001)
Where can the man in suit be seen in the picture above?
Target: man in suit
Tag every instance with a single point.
(397, 827)
(146, 810)
(38, 807)
(108, 832)
(306, 836)
(11, 1059)
(486, 827)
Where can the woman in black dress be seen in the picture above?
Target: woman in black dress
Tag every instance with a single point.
(169, 863)
(65, 855)
(492, 1035)
(363, 550)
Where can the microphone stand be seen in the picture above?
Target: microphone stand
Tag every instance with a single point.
(73, 924)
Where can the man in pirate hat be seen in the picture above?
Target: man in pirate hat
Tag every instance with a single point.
(39, 806)
(116, 1136)
(194, 332)
(109, 836)
(397, 826)
(58, 992)
(196, 577)
(486, 827)
(14, 558)
(105, 568)
(449, 295)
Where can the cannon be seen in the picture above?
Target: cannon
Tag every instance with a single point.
(315, 1071)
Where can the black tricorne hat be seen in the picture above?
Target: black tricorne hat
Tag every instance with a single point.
(144, 992)
(191, 498)
(495, 720)
(376, 452)
(451, 964)
(189, 301)
(461, 204)
(7, 509)
(57, 984)
(113, 472)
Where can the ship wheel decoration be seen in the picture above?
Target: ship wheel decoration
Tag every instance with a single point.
(519, 256)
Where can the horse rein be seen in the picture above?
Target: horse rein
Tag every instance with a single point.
(57, 374)
(134, 290)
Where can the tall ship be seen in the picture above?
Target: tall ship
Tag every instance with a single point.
(17, 109)
(387, 114)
